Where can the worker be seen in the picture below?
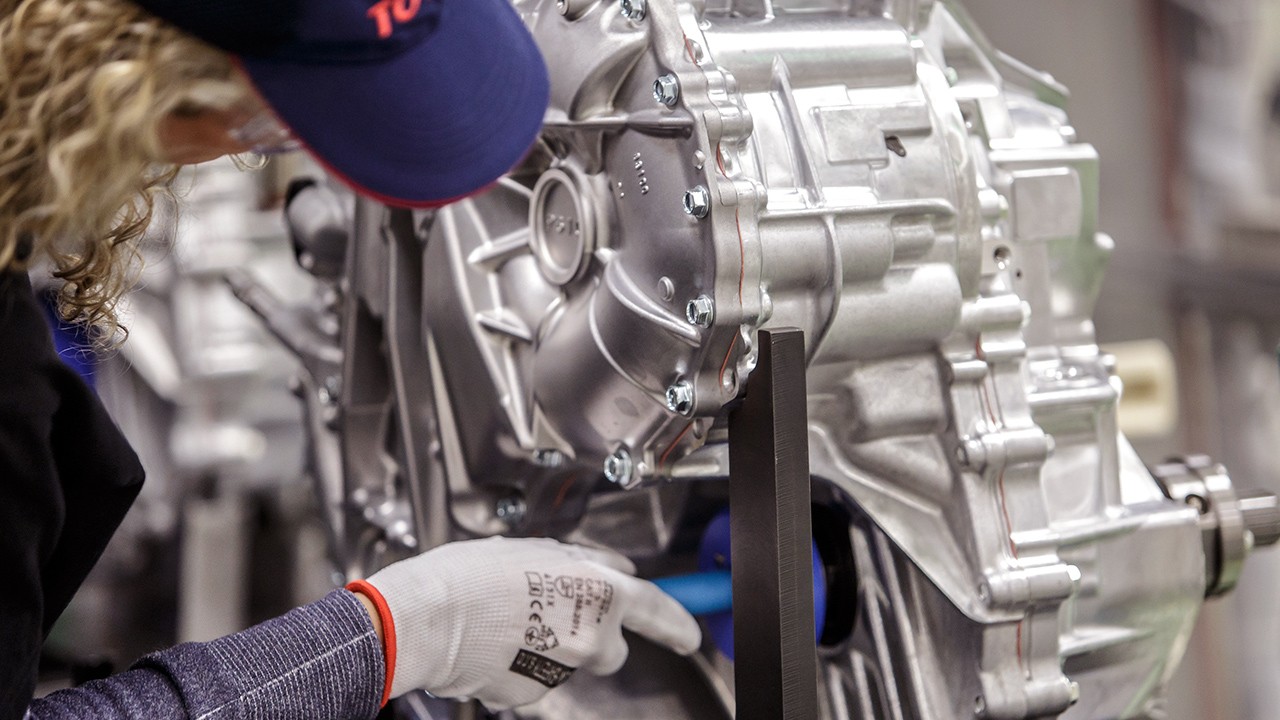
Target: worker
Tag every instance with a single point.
(413, 102)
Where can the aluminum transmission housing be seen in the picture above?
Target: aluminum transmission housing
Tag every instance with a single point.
(873, 173)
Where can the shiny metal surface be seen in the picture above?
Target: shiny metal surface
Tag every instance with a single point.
(875, 174)
(1231, 525)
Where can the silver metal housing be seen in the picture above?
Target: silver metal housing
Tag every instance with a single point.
(874, 173)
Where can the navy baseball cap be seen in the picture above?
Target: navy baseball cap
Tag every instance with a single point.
(413, 102)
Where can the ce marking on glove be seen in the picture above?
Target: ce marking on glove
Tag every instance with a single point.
(539, 636)
(536, 591)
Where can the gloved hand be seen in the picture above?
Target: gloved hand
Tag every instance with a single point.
(504, 620)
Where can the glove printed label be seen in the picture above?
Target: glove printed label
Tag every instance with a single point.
(541, 668)
(559, 606)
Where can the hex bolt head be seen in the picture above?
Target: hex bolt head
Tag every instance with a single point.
(618, 468)
(666, 90)
(680, 398)
(697, 202)
(548, 458)
(700, 311)
(511, 509)
(633, 9)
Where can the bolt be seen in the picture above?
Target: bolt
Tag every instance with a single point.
(633, 9)
(618, 468)
(980, 707)
(666, 90)
(548, 458)
(697, 202)
(680, 398)
(729, 381)
(1073, 692)
(510, 509)
(400, 533)
(700, 311)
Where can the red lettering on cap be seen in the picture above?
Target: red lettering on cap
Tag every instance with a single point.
(384, 11)
(381, 13)
(405, 10)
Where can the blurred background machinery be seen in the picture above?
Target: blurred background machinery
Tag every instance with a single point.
(224, 532)
(1180, 98)
(543, 359)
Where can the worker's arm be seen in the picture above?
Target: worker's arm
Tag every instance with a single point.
(319, 661)
(500, 620)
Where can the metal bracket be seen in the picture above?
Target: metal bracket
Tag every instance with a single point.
(775, 669)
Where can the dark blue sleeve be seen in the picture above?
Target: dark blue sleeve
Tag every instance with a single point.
(319, 662)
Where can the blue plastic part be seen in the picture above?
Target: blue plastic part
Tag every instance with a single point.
(709, 592)
(701, 593)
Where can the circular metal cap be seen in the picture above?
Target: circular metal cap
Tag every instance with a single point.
(564, 226)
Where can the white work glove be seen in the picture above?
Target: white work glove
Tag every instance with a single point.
(504, 620)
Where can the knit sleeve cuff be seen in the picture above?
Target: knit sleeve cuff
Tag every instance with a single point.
(388, 630)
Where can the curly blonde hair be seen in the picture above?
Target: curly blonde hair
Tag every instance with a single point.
(84, 86)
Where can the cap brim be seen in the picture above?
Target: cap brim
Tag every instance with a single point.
(434, 124)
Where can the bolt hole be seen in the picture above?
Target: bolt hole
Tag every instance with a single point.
(1018, 274)
(1200, 504)
(1001, 256)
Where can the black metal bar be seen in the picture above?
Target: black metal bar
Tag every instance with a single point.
(775, 663)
